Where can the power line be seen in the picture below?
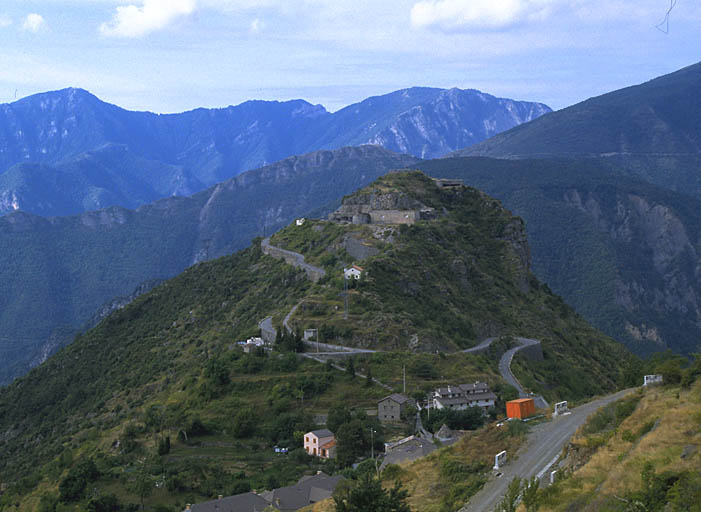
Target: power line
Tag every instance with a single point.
(665, 22)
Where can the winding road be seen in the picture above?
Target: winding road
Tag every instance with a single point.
(293, 258)
(505, 370)
(325, 349)
(538, 454)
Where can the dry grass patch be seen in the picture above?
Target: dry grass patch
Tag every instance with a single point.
(665, 422)
(448, 477)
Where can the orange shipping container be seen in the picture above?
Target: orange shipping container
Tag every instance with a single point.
(521, 408)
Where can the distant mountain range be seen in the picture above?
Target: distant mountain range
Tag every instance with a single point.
(651, 130)
(66, 152)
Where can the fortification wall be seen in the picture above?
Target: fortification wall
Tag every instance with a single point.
(394, 216)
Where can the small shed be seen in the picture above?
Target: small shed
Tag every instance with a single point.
(521, 408)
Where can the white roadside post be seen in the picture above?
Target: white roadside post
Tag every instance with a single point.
(499, 460)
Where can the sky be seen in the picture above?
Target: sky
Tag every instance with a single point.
(175, 55)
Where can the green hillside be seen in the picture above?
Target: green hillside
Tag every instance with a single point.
(619, 250)
(166, 366)
(56, 272)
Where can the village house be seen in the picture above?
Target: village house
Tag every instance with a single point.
(320, 443)
(246, 502)
(391, 408)
(251, 343)
(308, 490)
(354, 272)
(463, 396)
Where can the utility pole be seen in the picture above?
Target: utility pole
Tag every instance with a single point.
(372, 450)
(404, 377)
(345, 296)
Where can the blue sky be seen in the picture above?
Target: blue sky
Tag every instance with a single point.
(174, 55)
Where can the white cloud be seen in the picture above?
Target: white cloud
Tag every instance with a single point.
(255, 27)
(455, 15)
(134, 21)
(5, 21)
(33, 22)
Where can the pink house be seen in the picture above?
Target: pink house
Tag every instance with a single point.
(320, 443)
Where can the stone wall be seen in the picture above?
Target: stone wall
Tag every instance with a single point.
(395, 216)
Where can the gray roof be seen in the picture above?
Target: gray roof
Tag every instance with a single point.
(409, 451)
(246, 502)
(308, 490)
(475, 387)
(324, 432)
(397, 397)
(466, 399)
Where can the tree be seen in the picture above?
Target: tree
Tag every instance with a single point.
(510, 501)
(105, 503)
(369, 496)
(164, 445)
(368, 381)
(351, 367)
(244, 423)
(72, 487)
(530, 496)
(142, 485)
(338, 415)
(350, 442)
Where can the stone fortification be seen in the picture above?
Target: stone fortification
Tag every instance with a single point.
(378, 207)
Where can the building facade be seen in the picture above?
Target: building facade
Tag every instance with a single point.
(391, 407)
(463, 396)
(320, 443)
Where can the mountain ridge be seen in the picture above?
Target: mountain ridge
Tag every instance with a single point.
(202, 147)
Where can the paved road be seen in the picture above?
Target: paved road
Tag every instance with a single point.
(297, 260)
(538, 454)
(293, 258)
(479, 348)
(505, 370)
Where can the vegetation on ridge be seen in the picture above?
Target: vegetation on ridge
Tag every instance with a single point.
(170, 411)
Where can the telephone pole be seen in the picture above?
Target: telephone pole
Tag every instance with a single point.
(345, 297)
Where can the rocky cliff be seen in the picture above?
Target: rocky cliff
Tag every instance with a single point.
(623, 252)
